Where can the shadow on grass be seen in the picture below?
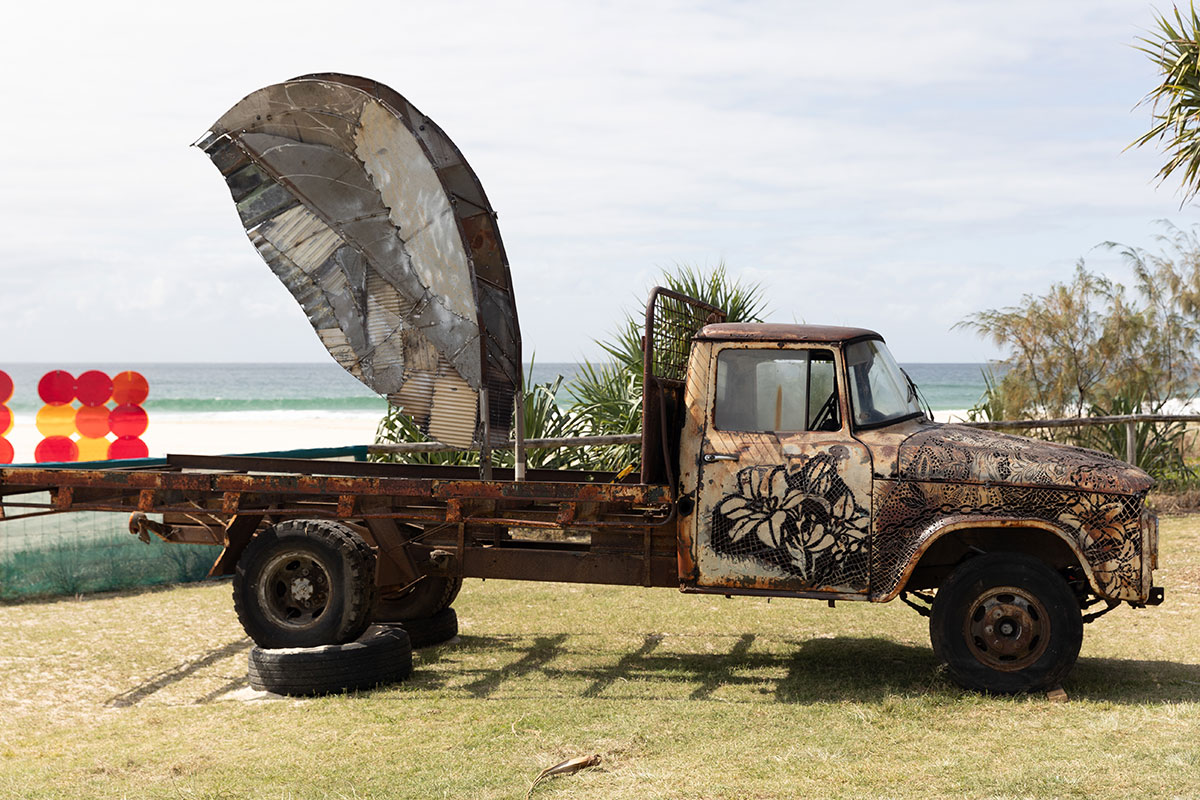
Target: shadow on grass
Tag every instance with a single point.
(1118, 680)
(181, 672)
(819, 669)
(862, 669)
(544, 650)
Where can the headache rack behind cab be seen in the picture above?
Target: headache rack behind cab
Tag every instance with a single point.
(672, 319)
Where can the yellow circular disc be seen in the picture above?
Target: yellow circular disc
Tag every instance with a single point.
(93, 449)
(56, 420)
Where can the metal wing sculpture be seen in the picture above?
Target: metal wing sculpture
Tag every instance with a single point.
(375, 222)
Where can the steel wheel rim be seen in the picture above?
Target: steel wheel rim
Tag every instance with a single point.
(294, 589)
(1007, 628)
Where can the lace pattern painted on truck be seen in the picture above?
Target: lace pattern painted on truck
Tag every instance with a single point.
(952, 471)
(958, 453)
(801, 519)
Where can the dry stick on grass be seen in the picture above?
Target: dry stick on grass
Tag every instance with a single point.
(568, 767)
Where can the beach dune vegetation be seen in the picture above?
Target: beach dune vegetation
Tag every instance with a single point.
(1091, 346)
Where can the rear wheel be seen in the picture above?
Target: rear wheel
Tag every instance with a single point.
(304, 583)
(428, 631)
(428, 597)
(1006, 623)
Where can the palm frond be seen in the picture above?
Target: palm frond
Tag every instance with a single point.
(1175, 102)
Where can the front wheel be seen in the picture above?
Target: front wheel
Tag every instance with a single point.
(1006, 623)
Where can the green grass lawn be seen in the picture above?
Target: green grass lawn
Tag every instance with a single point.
(143, 695)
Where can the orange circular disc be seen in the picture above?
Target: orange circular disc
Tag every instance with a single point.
(56, 388)
(93, 388)
(129, 388)
(6, 451)
(128, 420)
(6, 421)
(56, 420)
(128, 447)
(93, 449)
(55, 449)
(92, 421)
(6, 389)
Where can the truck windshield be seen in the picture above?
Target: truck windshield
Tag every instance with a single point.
(880, 393)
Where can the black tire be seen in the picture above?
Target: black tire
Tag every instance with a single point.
(441, 627)
(382, 656)
(430, 596)
(1006, 623)
(305, 583)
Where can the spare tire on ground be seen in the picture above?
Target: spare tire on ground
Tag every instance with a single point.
(382, 656)
(441, 627)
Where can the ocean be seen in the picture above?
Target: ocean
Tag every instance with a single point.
(281, 390)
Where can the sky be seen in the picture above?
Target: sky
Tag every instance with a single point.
(895, 166)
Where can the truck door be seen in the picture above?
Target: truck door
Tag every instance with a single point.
(784, 492)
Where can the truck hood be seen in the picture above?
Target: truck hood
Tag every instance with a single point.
(956, 453)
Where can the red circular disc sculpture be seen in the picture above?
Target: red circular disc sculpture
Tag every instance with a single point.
(92, 421)
(56, 388)
(129, 388)
(6, 387)
(128, 420)
(6, 420)
(6, 451)
(128, 447)
(54, 449)
(93, 388)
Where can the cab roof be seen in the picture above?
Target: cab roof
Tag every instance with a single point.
(776, 332)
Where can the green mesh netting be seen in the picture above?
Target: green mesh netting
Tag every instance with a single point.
(84, 551)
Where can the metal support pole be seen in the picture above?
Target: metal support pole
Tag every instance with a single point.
(485, 447)
(1131, 442)
(519, 419)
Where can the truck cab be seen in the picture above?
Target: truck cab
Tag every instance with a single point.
(807, 468)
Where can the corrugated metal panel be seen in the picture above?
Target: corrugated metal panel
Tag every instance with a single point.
(372, 218)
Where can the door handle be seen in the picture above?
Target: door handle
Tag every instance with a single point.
(711, 457)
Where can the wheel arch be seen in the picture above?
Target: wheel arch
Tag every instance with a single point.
(944, 544)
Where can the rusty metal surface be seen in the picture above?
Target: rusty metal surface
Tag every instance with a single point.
(777, 332)
(962, 454)
(13, 481)
(569, 567)
(780, 510)
(884, 443)
(948, 472)
(371, 217)
(1017, 528)
(695, 395)
(223, 495)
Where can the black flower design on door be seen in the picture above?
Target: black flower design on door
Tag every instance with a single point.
(801, 518)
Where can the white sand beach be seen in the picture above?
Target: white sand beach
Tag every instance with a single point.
(219, 434)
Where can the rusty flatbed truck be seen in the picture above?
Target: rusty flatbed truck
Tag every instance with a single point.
(777, 460)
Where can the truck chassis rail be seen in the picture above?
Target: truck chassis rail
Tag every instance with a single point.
(423, 520)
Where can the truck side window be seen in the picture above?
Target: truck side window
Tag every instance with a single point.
(776, 390)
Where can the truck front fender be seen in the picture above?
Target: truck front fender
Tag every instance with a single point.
(892, 579)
